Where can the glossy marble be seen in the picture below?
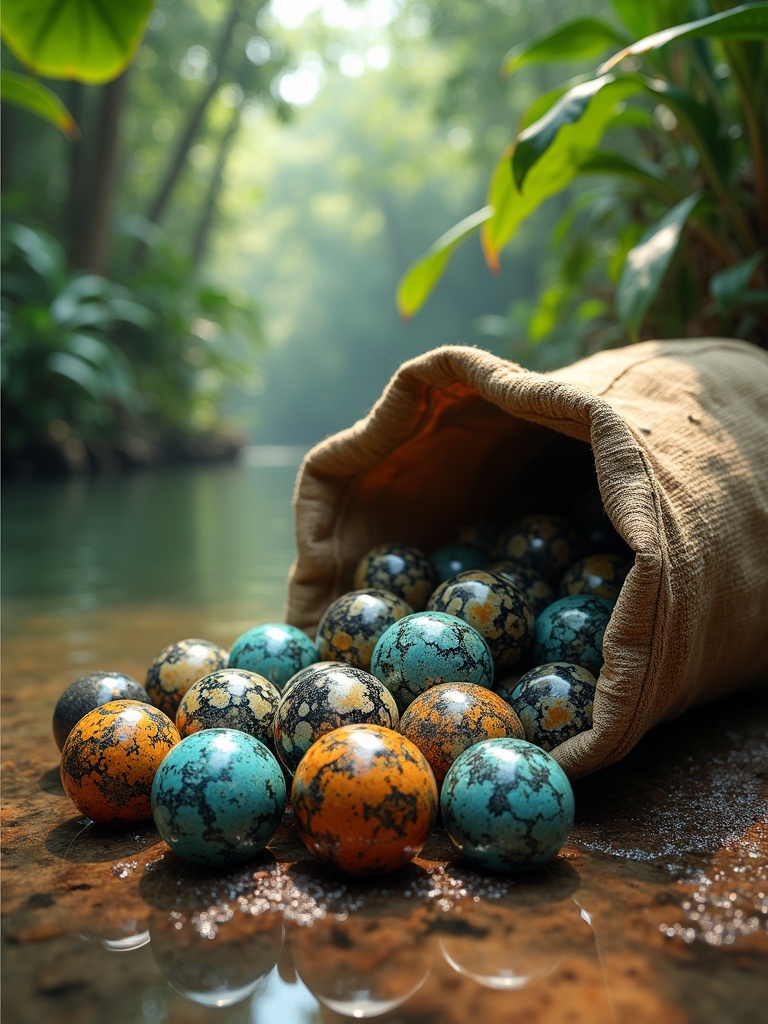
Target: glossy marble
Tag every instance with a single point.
(427, 648)
(218, 797)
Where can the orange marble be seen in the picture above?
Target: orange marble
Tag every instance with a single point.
(110, 758)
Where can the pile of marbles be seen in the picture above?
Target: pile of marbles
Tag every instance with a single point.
(439, 684)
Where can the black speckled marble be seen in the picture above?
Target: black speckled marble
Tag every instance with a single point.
(495, 606)
(554, 702)
(546, 543)
(87, 693)
(325, 697)
(231, 698)
(399, 568)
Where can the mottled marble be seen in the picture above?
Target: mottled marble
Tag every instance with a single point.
(273, 650)
(572, 629)
(110, 759)
(218, 797)
(352, 624)
(537, 591)
(87, 693)
(507, 805)
(554, 702)
(492, 604)
(447, 719)
(177, 667)
(602, 575)
(428, 648)
(400, 569)
(364, 800)
(231, 698)
(546, 543)
(325, 697)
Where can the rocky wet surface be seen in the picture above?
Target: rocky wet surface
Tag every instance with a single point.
(655, 911)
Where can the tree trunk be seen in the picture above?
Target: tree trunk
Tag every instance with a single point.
(178, 161)
(208, 213)
(95, 179)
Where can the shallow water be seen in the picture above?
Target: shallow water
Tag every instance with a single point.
(656, 910)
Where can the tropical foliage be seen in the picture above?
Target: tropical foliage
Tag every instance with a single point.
(673, 128)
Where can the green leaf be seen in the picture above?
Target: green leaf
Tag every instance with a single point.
(29, 94)
(749, 21)
(728, 286)
(649, 176)
(644, 17)
(597, 98)
(647, 263)
(579, 127)
(92, 41)
(422, 276)
(578, 39)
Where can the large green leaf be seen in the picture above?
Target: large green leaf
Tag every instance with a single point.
(574, 40)
(749, 21)
(89, 40)
(647, 263)
(29, 94)
(422, 276)
(573, 130)
(580, 116)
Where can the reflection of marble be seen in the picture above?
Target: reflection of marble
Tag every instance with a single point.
(366, 964)
(506, 950)
(123, 938)
(214, 961)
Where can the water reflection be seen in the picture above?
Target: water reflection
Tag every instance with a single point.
(365, 964)
(207, 536)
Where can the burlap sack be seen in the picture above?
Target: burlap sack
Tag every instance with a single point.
(679, 438)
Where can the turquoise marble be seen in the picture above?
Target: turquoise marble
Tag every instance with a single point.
(554, 702)
(571, 629)
(427, 648)
(218, 797)
(456, 558)
(273, 650)
(507, 805)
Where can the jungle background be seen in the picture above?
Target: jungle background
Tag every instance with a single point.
(215, 250)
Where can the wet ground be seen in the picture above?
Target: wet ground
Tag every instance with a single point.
(655, 911)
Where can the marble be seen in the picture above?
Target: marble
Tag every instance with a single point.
(428, 648)
(325, 697)
(455, 558)
(218, 797)
(231, 698)
(364, 800)
(495, 606)
(87, 693)
(507, 805)
(447, 719)
(352, 624)
(602, 575)
(554, 702)
(537, 591)
(401, 569)
(274, 650)
(546, 543)
(177, 667)
(110, 758)
(572, 629)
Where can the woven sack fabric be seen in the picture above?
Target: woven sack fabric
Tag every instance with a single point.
(679, 444)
